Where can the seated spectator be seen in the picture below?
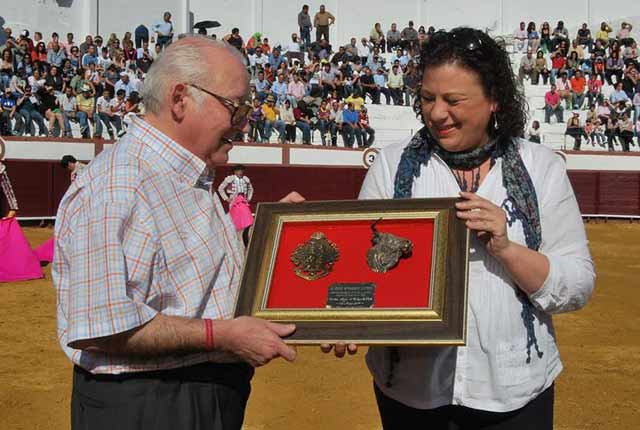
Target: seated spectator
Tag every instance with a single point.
(350, 128)
(86, 114)
(50, 107)
(603, 34)
(256, 122)
(520, 38)
(594, 89)
(328, 81)
(618, 95)
(324, 119)
(534, 132)
(294, 51)
(598, 133)
(625, 131)
(552, 105)
(541, 69)
(393, 38)
(108, 117)
(125, 84)
(352, 49)
(364, 50)
(369, 86)
(560, 34)
(614, 67)
(303, 117)
(630, 80)
(409, 38)
(527, 68)
(56, 55)
(263, 87)
(630, 53)
(380, 79)
(558, 63)
(254, 41)
(578, 84)
(401, 57)
(275, 59)
(545, 38)
(577, 48)
(335, 122)
(356, 99)
(91, 57)
(271, 120)
(376, 37)
(9, 105)
(54, 81)
(533, 37)
(575, 130)
(368, 133)
(584, 37)
(296, 90)
(288, 118)
(564, 90)
(28, 107)
(624, 34)
(396, 85)
(69, 110)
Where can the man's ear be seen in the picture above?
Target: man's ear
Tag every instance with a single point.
(177, 100)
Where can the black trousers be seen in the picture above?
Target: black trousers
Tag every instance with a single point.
(536, 415)
(204, 396)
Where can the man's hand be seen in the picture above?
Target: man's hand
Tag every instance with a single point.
(254, 340)
(340, 348)
(292, 197)
(11, 214)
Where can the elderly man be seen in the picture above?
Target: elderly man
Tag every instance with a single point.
(147, 265)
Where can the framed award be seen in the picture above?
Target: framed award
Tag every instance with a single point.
(372, 272)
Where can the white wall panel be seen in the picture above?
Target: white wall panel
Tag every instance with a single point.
(40, 150)
(255, 155)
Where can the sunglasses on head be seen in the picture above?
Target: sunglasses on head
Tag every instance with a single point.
(463, 38)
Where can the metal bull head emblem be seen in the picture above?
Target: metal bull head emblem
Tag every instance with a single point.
(387, 250)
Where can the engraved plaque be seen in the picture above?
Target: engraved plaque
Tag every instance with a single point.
(354, 295)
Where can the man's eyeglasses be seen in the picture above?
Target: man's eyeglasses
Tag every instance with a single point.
(465, 38)
(239, 110)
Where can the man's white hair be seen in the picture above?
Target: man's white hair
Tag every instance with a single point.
(180, 62)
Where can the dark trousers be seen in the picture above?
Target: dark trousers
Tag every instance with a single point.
(322, 30)
(205, 396)
(164, 41)
(536, 415)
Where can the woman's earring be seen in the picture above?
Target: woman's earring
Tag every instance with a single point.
(495, 121)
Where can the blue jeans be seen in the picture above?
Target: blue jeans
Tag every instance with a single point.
(323, 126)
(268, 130)
(578, 100)
(35, 116)
(306, 132)
(305, 35)
(84, 120)
(108, 121)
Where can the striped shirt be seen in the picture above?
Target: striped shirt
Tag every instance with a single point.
(234, 185)
(140, 232)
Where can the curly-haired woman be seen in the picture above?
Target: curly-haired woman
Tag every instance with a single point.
(528, 260)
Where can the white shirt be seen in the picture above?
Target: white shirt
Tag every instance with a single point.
(260, 61)
(103, 105)
(490, 372)
(233, 185)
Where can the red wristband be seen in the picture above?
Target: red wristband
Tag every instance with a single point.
(208, 326)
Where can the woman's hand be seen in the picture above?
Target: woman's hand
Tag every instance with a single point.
(487, 219)
(340, 348)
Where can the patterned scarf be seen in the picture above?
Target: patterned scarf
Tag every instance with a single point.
(520, 193)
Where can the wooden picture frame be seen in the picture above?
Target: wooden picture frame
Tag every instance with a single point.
(421, 301)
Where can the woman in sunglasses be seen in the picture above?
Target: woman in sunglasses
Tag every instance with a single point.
(528, 258)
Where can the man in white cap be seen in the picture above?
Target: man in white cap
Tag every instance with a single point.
(125, 84)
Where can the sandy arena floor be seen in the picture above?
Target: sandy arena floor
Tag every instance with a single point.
(600, 346)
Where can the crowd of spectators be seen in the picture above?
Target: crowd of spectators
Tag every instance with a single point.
(578, 68)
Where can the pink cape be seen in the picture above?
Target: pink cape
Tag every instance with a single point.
(45, 251)
(240, 213)
(18, 262)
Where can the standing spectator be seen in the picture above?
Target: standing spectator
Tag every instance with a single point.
(141, 35)
(305, 26)
(552, 105)
(520, 38)
(163, 30)
(396, 85)
(584, 37)
(578, 84)
(321, 21)
(393, 38)
(409, 38)
(377, 37)
(108, 117)
(350, 128)
(368, 133)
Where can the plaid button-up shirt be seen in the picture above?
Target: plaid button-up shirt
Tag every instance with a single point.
(140, 232)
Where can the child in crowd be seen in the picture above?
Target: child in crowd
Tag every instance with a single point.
(534, 132)
(598, 132)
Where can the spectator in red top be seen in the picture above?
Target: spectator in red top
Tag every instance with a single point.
(594, 89)
(552, 105)
(303, 121)
(557, 66)
(578, 83)
(368, 133)
(40, 54)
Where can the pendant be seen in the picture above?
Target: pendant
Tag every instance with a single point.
(315, 258)
(387, 250)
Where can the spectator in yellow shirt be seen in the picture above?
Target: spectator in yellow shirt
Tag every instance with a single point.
(356, 99)
(86, 113)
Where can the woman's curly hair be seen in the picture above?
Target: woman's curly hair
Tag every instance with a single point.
(476, 51)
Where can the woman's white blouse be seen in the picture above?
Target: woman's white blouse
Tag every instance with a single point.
(491, 372)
